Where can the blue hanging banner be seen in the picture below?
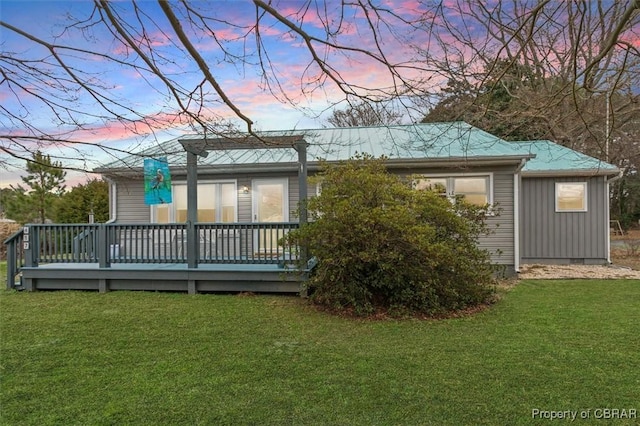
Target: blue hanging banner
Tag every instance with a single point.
(157, 181)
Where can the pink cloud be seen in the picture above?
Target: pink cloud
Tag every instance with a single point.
(223, 35)
(153, 40)
(631, 38)
(294, 14)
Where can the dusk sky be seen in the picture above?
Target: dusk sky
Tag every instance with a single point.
(132, 107)
(243, 83)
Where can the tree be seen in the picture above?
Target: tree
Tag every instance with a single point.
(354, 51)
(546, 69)
(5, 195)
(75, 205)
(565, 71)
(383, 246)
(45, 180)
(494, 105)
(151, 40)
(625, 203)
(17, 205)
(365, 114)
(518, 105)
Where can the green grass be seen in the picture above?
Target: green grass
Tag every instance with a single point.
(155, 358)
(3, 274)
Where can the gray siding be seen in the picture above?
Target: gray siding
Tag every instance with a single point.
(568, 237)
(244, 200)
(500, 243)
(294, 197)
(130, 205)
(132, 209)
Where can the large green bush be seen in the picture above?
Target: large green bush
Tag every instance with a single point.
(383, 246)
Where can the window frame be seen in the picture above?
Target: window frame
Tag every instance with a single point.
(450, 183)
(585, 201)
(172, 206)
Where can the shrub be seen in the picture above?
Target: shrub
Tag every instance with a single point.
(382, 245)
(7, 229)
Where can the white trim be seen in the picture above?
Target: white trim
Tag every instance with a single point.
(570, 173)
(516, 222)
(585, 201)
(607, 223)
(113, 201)
(181, 183)
(254, 193)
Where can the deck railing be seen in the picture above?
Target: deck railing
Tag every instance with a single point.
(114, 243)
(15, 256)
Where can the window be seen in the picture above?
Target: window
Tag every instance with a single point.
(571, 196)
(438, 185)
(216, 203)
(474, 189)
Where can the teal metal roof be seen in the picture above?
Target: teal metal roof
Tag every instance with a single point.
(455, 142)
(551, 158)
(446, 141)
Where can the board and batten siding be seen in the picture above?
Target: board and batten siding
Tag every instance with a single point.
(548, 236)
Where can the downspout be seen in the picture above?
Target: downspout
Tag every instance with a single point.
(607, 213)
(516, 216)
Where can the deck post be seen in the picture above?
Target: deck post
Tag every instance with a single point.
(103, 247)
(192, 209)
(12, 259)
(301, 148)
(191, 286)
(31, 246)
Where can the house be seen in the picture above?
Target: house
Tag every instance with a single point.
(565, 206)
(549, 204)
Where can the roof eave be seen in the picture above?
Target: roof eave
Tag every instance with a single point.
(502, 160)
(570, 173)
(315, 165)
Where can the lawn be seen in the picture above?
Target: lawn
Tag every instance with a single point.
(160, 358)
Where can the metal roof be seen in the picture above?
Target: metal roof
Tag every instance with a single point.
(457, 141)
(552, 158)
(447, 143)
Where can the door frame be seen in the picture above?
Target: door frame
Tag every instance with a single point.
(255, 193)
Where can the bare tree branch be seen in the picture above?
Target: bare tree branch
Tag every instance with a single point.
(553, 61)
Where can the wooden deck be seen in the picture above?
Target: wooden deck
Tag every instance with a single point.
(245, 257)
(163, 277)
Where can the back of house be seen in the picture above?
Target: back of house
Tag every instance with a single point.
(548, 204)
